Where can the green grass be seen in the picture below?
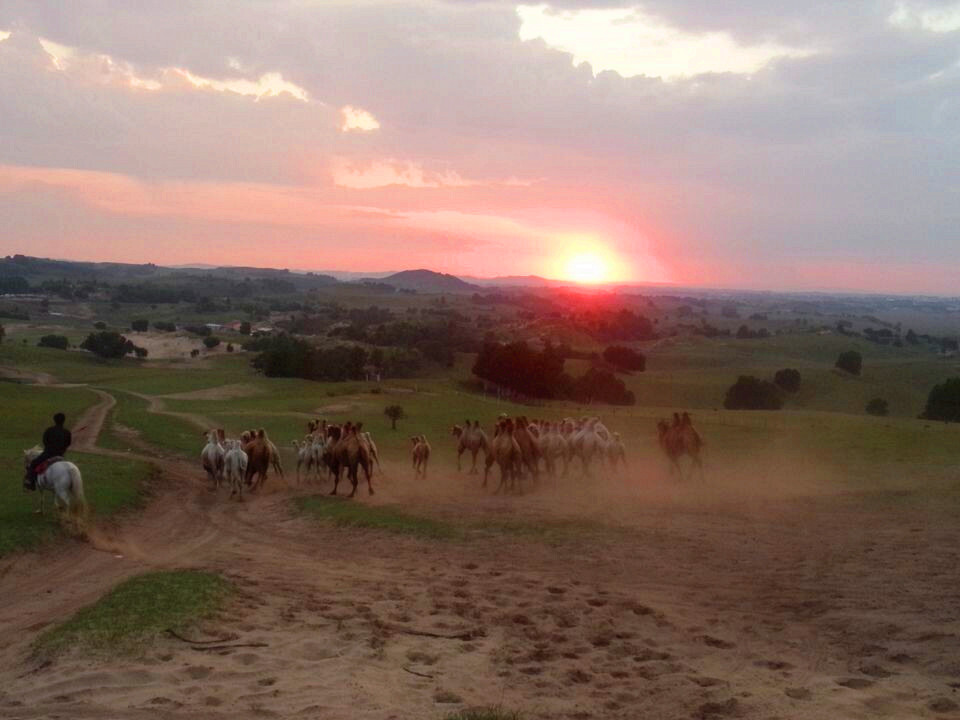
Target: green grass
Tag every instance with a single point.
(346, 513)
(109, 485)
(169, 435)
(137, 610)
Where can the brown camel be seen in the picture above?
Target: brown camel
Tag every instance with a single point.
(529, 448)
(350, 453)
(257, 447)
(506, 453)
(420, 454)
(680, 438)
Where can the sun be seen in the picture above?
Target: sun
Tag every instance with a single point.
(587, 267)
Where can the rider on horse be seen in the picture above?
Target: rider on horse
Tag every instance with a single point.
(56, 440)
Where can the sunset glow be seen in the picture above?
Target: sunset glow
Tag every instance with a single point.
(587, 267)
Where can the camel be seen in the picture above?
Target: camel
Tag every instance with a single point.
(235, 467)
(258, 458)
(367, 439)
(470, 437)
(420, 454)
(306, 456)
(678, 439)
(351, 453)
(529, 447)
(616, 452)
(587, 444)
(211, 457)
(554, 446)
(505, 452)
(275, 462)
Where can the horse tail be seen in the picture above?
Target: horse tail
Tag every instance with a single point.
(78, 506)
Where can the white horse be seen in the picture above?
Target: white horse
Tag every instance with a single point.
(63, 480)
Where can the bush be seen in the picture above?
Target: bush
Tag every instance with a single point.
(850, 361)
(624, 358)
(943, 403)
(787, 379)
(211, 342)
(201, 330)
(245, 328)
(194, 353)
(394, 412)
(750, 393)
(601, 386)
(229, 347)
(107, 344)
(164, 326)
(59, 342)
(878, 407)
(100, 325)
(140, 325)
(140, 352)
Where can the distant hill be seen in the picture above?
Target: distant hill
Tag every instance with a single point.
(427, 281)
(518, 281)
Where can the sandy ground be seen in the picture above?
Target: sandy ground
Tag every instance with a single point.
(724, 599)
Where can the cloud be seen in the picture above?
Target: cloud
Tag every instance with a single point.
(847, 156)
(631, 42)
(357, 119)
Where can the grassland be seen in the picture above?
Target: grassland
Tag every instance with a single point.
(138, 610)
(110, 485)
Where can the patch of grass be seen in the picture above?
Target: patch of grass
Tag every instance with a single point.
(346, 513)
(110, 485)
(484, 714)
(166, 433)
(137, 610)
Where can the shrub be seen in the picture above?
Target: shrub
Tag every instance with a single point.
(107, 344)
(750, 393)
(850, 361)
(878, 407)
(624, 358)
(140, 325)
(787, 379)
(943, 403)
(601, 386)
(140, 352)
(164, 326)
(59, 342)
(194, 353)
(229, 347)
(245, 328)
(211, 342)
(394, 412)
(100, 325)
(201, 330)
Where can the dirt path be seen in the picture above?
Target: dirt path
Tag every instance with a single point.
(701, 608)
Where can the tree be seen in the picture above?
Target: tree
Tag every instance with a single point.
(107, 344)
(394, 412)
(164, 326)
(211, 342)
(245, 328)
(911, 338)
(598, 385)
(3, 333)
(878, 407)
(787, 380)
(140, 325)
(943, 403)
(850, 361)
(59, 342)
(100, 325)
(751, 393)
(624, 358)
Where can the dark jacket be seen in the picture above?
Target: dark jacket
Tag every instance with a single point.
(56, 440)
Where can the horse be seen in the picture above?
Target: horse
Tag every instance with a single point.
(62, 479)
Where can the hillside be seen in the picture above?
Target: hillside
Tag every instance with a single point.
(428, 281)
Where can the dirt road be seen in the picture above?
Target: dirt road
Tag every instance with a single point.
(691, 607)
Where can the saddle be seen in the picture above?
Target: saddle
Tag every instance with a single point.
(42, 467)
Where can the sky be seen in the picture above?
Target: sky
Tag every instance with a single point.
(779, 145)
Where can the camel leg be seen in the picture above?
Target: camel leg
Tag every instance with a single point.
(459, 454)
(369, 472)
(335, 471)
(486, 470)
(473, 467)
(352, 473)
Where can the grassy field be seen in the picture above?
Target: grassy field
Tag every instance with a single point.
(136, 611)
(110, 485)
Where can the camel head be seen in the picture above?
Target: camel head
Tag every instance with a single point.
(457, 431)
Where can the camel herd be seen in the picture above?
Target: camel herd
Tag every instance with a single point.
(520, 448)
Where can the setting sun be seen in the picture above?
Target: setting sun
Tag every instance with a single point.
(587, 267)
